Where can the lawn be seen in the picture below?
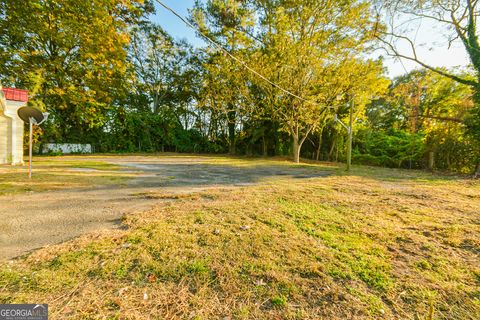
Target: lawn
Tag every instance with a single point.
(51, 173)
(373, 244)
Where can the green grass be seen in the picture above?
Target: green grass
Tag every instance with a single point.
(77, 164)
(373, 244)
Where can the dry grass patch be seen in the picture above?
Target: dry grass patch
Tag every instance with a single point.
(364, 246)
(60, 173)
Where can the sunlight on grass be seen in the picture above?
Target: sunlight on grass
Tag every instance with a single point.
(333, 247)
(59, 174)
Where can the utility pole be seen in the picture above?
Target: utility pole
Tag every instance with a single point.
(350, 135)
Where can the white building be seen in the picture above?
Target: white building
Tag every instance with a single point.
(11, 126)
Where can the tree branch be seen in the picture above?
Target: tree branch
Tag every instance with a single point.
(415, 58)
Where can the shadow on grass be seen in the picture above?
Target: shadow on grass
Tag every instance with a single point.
(189, 171)
(394, 174)
(195, 174)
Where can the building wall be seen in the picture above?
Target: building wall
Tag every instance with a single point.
(4, 141)
(16, 130)
(4, 122)
(11, 133)
(17, 152)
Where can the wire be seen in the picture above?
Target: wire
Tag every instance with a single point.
(243, 63)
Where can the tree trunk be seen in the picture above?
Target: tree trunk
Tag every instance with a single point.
(320, 140)
(476, 174)
(296, 149)
(336, 149)
(298, 143)
(332, 148)
(449, 161)
(249, 150)
(265, 149)
(431, 160)
(231, 132)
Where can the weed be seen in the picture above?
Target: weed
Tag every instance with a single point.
(279, 301)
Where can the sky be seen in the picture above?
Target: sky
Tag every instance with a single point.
(427, 36)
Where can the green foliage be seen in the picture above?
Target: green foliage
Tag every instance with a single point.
(145, 132)
(423, 112)
(276, 39)
(394, 148)
(123, 84)
(70, 54)
(279, 301)
(162, 78)
(473, 123)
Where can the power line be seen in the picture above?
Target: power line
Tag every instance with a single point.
(243, 63)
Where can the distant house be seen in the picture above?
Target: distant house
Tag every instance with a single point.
(11, 126)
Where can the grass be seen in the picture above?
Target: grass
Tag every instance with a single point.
(376, 243)
(59, 173)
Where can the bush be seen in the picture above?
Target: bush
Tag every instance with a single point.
(395, 149)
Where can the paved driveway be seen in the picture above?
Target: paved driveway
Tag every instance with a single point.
(31, 221)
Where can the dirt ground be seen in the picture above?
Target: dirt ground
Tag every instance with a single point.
(34, 220)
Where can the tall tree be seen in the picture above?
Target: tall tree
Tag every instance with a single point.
(226, 21)
(312, 48)
(458, 18)
(76, 49)
(422, 117)
(160, 65)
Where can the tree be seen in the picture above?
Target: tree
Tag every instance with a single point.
(161, 66)
(426, 111)
(459, 19)
(76, 50)
(225, 21)
(305, 54)
(314, 50)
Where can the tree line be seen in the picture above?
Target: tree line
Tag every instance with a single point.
(283, 69)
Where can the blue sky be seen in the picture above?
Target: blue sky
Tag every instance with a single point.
(172, 24)
(427, 34)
